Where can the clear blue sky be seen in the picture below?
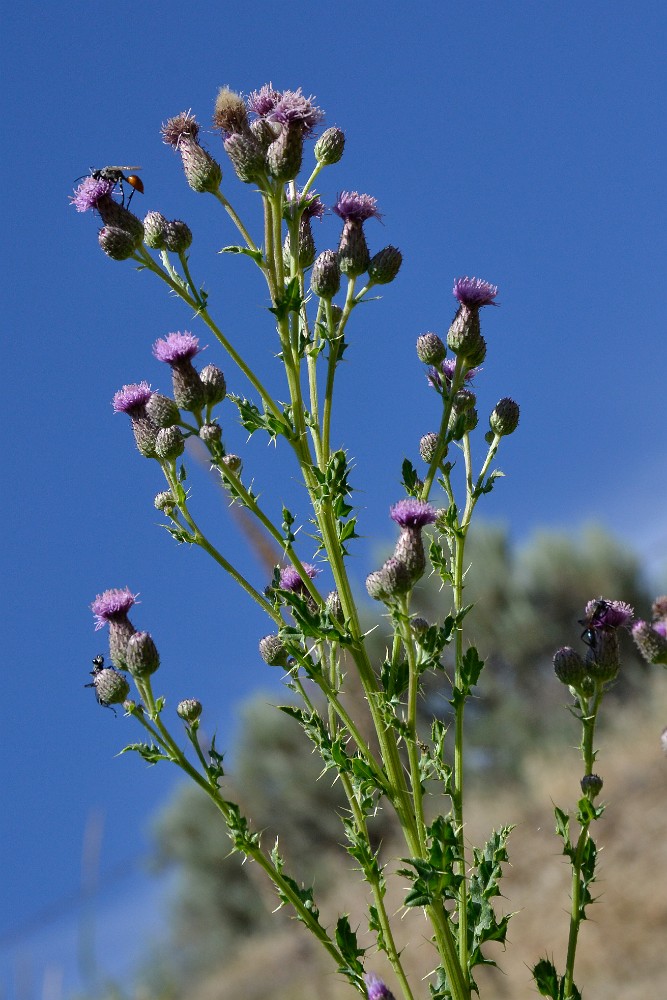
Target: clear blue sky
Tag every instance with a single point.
(523, 143)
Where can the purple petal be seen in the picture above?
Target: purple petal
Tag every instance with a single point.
(176, 347)
(474, 292)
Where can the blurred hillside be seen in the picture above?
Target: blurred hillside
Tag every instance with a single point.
(622, 953)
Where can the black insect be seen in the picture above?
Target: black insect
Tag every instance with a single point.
(117, 175)
(98, 667)
(596, 618)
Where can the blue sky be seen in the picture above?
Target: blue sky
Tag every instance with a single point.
(520, 142)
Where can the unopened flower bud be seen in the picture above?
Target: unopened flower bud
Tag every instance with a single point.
(177, 236)
(247, 157)
(505, 417)
(385, 265)
(284, 155)
(116, 243)
(463, 400)
(650, 642)
(569, 667)
(234, 463)
(410, 553)
(111, 687)
(306, 246)
(215, 387)
(325, 276)
(470, 419)
(189, 709)
(430, 349)
(476, 356)
(169, 443)
(162, 410)
(464, 334)
(591, 785)
(428, 446)
(419, 625)
(329, 147)
(389, 582)
(141, 655)
(116, 216)
(272, 651)
(165, 502)
(155, 227)
(145, 435)
(211, 434)
(603, 660)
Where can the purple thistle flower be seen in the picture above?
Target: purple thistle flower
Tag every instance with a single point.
(355, 206)
(376, 988)
(412, 513)
(603, 614)
(261, 102)
(660, 627)
(176, 347)
(293, 107)
(474, 293)
(313, 206)
(112, 605)
(290, 579)
(132, 398)
(444, 375)
(89, 192)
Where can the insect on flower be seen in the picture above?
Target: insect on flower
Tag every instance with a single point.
(111, 688)
(604, 616)
(116, 175)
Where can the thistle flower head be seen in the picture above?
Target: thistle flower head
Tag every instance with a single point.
(293, 107)
(132, 398)
(602, 614)
(261, 102)
(176, 347)
(355, 206)
(376, 989)
(310, 205)
(442, 376)
(181, 128)
(290, 579)
(474, 292)
(412, 513)
(230, 114)
(89, 192)
(112, 605)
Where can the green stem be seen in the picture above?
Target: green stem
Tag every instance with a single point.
(250, 243)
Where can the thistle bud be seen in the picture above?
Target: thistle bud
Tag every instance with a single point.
(111, 687)
(155, 227)
(306, 246)
(385, 265)
(162, 410)
(410, 553)
(353, 255)
(470, 419)
(325, 276)
(591, 785)
(169, 444)
(419, 625)
(285, 153)
(189, 709)
(569, 667)
(389, 582)
(603, 660)
(145, 435)
(215, 387)
(476, 356)
(428, 446)
(247, 157)
(202, 172)
(329, 147)
(116, 243)
(165, 502)
(463, 400)
(272, 651)
(177, 236)
(430, 349)
(141, 655)
(211, 434)
(464, 336)
(234, 463)
(116, 216)
(505, 418)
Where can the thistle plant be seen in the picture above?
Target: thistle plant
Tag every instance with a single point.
(316, 635)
